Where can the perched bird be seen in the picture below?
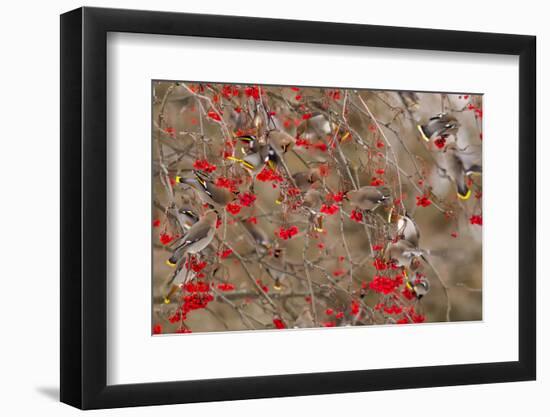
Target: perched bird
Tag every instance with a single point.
(441, 125)
(460, 163)
(196, 239)
(369, 197)
(275, 266)
(419, 285)
(313, 200)
(258, 235)
(304, 179)
(207, 190)
(403, 253)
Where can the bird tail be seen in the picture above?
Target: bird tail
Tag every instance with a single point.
(462, 190)
(422, 132)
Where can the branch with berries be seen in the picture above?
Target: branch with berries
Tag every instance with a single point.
(279, 207)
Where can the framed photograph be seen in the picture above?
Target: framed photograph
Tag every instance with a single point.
(259, 208)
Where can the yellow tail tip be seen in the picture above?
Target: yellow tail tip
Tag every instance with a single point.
(465, 197)
(178, 179)
(170, 263)
(166, 300)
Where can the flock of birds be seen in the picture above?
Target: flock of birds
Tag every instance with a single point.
(267, 151)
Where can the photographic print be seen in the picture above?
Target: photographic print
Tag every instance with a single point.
(290, 207)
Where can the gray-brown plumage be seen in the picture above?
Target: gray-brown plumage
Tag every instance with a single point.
(305, 319)
(179, 277)
(369, 197)
(280, 140)
(196, 239)
(419, 284)
(252, 143)
(181, 101)
(207, 190)
(410, 99)
(408, 230)
(441, 125)
(316, 127)
(258, 235)
(275, 267)
(183, 218)
(403, 253)
(266, 155)
(462, 162)
(313, 200)
(239, 119)
(304, 179)
(258, 153)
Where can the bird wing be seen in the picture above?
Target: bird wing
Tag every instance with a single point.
(409, 230)
(196, 232)
(471, 158)
(218, 194)
(455, 170)
(258, 235)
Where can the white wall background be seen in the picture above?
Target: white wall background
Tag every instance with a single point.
(29, 222)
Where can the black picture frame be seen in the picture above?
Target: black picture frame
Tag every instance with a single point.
(84, 207)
